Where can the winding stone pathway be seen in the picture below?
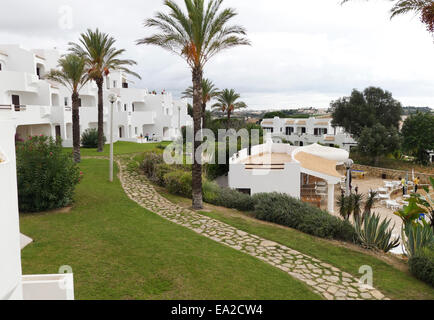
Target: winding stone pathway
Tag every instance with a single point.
(324, 279)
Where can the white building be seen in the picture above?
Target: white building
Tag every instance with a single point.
(302, 132)
(44, 107)
(307, 173)
(14, 285)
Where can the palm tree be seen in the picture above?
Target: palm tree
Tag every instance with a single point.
(209, 91)
(196, 35)
(227, 103)
(423, 8)
(101, 57)
(73, 75)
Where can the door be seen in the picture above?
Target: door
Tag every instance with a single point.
(120, 132)
(58, 133)
(16, 102)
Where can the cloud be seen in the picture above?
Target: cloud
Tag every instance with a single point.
(303, 53)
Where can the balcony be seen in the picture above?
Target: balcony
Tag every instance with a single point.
(18, 81)
(140, 118)
(27, 114)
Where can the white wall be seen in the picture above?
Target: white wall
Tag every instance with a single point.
(10, 255)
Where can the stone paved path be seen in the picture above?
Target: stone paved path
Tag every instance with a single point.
(324, 279)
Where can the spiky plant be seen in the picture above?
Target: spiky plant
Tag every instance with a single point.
(356, 204)
(416, 236)
(374, 234)
(196, 35)
(370, 201)
(101, 56)
(227, 102)
(209, 91)
(72, 75)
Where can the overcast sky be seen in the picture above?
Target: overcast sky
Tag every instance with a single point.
(304, 52)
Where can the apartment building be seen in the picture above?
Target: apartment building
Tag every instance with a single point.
(302, 132)
(40, 106)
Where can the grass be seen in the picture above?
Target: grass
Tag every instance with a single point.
(394, 283)
(118, 250)
(120, 148)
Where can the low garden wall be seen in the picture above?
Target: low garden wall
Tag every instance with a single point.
(390, 173)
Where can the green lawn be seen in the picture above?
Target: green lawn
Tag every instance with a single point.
(392, 282)
(120, 148)
(118, 250)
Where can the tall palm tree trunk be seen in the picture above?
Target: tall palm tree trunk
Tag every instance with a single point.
(229, 120)
(99, 83)
(203, 115)
(76, 127)
(197, 117)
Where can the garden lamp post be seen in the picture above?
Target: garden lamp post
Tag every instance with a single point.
(348, 164)
(112, 98)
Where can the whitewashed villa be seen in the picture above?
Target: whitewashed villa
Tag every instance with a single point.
(302, 132)
(307, 173)
(44, 107)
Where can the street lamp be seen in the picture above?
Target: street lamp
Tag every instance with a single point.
(112, 98)
(348, 164)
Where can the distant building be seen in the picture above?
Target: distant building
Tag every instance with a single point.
(303, 132)
(44, 107)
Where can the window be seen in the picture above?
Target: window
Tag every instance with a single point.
(303, 130)
(0, 67)
(269, 129)
(125, 85)
(38, 72)
(320, 131)
(79, 102)
(125, 107)
(114, 83)
(289, 131)
(136, 130)
(66, 101)
(133, 107)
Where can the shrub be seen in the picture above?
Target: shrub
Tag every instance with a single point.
(225, 197)
(46, 175)
(233, 199)
(150, 161)
(179, 182)
(375, 235)
(422, 265)
(211, 191)
(89, 138)
(160, 170)
(285, 210)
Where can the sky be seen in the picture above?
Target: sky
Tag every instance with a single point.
(304, 53)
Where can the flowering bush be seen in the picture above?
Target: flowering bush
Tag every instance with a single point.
(46, 176)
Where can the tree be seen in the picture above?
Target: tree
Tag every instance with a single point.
(418, 135)
(227, 103)
(423, 8)
(73, 75)
(197, 36)
(209, 91)
(365, 109)
(378, 141)
(101, 58)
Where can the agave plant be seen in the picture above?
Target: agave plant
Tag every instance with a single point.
(416, 236)
(374, 234)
